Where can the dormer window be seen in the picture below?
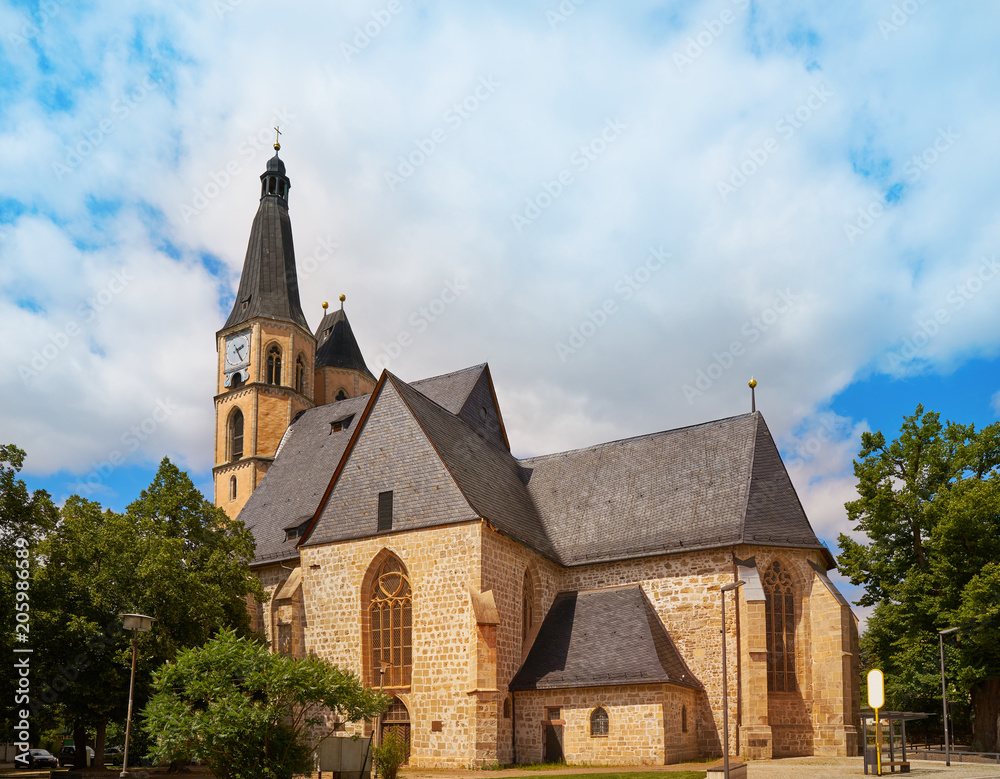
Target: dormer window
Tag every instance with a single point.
(341, 424)
(291, 533)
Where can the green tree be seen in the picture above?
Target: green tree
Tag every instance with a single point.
(25, 517)
(171, 555)
(244, 711)
(929, 505)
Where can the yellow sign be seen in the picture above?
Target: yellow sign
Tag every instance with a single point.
(876, 689)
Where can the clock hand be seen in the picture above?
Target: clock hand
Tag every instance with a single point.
(238, 350)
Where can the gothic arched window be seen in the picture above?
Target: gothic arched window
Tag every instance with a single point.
(273, 364)
(232, 488)
(599, 722)
(527, 605)
(235, 435)
(390, 625)
(300, 374)
(341, 394)
(779, 620)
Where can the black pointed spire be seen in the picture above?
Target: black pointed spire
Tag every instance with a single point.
(336, 345)
(269, 287)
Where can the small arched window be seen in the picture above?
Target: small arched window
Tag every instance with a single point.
(779, 624)
(599, 722)
(684, 719)
(527, 605)
(300, 374)
(235, 435)
(273, 364)
(232, 488)
(506, 707)
(341, 394)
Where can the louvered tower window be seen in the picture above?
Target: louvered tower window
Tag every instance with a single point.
(300, 375)
(273, 364)
(779, 617)
(390, 614)
(235, 435)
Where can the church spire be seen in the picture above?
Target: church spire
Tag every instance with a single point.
(269, 287)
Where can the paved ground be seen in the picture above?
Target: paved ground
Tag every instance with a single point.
(788, 768)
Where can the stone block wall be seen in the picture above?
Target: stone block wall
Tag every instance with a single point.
(644, 724)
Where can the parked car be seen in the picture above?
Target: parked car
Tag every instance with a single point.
(67, 755)
(39, 758)
(114, 756)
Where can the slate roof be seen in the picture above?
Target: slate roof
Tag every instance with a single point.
(269, 285)
(700, 487)
(598, 638)
(290, 492)
(336, 345)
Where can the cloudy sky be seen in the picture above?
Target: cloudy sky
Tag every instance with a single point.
(640, 205)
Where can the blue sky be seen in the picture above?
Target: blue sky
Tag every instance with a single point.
(801, 192)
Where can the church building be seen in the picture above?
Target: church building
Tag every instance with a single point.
(559, 607)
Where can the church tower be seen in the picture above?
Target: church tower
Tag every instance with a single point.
(266, 352)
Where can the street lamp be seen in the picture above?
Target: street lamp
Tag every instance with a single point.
(725, 688)
(135, 623)
(944, 694)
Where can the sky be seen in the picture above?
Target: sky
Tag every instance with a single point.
(626, 209)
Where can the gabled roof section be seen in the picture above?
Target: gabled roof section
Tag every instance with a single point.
(269, 287)
(667, 492)
(599, 638)
(489, 477)
(481, 411)
(336, 345)
(289, 493)
(451, 390)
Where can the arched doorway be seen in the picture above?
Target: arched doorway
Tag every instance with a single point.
(397, 720)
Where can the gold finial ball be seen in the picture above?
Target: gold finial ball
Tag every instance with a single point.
(343, 298)
(752, 383)
(277, 146)
(325, 305)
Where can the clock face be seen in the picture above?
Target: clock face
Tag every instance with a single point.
(237, 351)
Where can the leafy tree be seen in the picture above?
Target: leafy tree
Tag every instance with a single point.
(24, 517)
(171, 555)
(244, 711)
(930, 507)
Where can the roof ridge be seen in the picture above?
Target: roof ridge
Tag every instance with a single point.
(749, 482)
(635, 438)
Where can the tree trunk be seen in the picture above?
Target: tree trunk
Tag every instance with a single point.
(102, 726)
(79, 744)
(986, 715)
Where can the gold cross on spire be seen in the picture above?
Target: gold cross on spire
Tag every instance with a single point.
(277, 145)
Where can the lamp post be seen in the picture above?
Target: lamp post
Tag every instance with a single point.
(135, 623)
(944, 694)
(725, 687)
